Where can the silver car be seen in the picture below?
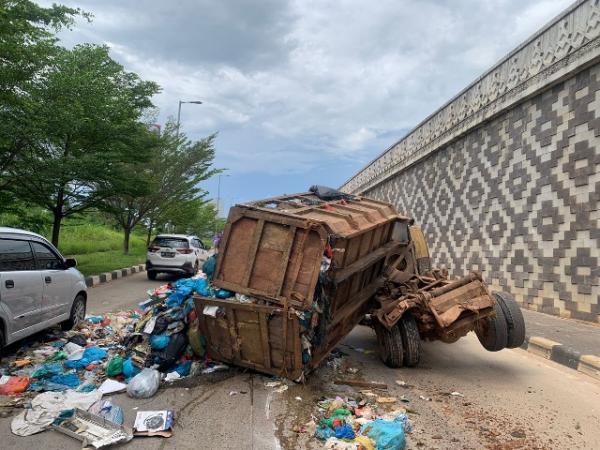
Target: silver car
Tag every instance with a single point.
(38, 287)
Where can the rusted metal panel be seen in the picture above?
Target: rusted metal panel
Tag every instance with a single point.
(273, 248)
(252, 336)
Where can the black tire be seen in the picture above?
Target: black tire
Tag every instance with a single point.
(411, 340)
(77, 313)
(151, 274)
(514, 319)
(390, 345)
(492, 332)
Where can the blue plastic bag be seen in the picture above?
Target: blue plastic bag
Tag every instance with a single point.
(324, 433)
(387, 434)
(129, 370)
(183, 369)
(70, 380)
(159, 341)
(223, 293)
(90, 355)
(209, 267)
(179, 296)
(344, 432)
(46, 370)
(202, 288)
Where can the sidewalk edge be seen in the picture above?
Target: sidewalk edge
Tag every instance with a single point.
(563, 354)
(106, 277)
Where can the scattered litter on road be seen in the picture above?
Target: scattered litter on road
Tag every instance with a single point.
(144, 384)
(91, 429)
(401, 383)
(298, 398)
(386, 399)
(359, 383)
(456, 394)
(154, 423)
(112, 386)
(427, 399)
(354, 423)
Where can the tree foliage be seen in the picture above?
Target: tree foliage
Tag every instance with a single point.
(167, 187)
(85, 115)
(27, 46)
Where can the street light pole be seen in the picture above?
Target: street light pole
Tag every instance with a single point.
(195, 102)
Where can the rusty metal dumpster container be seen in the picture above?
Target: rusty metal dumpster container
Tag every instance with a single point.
(301, 256)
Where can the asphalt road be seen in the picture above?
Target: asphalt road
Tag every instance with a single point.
(511, 399)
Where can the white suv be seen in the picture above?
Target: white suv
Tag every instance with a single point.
(175, 253)
(38, 287)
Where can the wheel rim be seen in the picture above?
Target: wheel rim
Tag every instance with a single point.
(78, 312)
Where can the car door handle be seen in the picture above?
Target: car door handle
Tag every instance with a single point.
(48, 280)
(9, 284)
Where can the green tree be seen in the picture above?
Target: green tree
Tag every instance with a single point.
(27, 46)
(85, 113)
(168, 183)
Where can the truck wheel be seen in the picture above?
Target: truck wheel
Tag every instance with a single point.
(390, 345)
(514, 319)
(492, 332)
(411, 340)
(151, 274)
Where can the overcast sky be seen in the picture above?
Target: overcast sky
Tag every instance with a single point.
(305, 92)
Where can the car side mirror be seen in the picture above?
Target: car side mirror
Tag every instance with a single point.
(70, 262)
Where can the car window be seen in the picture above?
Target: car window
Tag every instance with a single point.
(171, 242)
(15, 256)
(198, 243)
(46, 259)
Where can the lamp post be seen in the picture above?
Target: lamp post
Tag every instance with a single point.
(195, 102)
(219, 193)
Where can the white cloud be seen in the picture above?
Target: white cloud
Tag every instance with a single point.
(309, 79)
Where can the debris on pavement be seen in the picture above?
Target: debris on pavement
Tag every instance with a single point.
(359, 423)
(92, 430)
(154, 423)
(364, 384)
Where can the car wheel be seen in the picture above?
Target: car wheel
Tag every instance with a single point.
(514, 319)
(390, 345)
(151, 274)
(411, 340)
(77, 313)
(492, 332)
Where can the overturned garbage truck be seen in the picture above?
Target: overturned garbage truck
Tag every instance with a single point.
(307, 268)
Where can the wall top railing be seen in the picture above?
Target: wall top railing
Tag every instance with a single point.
(569, 42)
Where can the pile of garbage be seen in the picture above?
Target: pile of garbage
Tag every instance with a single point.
(364, 423)
(129, 351)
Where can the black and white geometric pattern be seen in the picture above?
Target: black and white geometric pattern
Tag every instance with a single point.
(519, 199)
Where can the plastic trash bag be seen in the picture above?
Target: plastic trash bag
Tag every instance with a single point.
(144, 384)
(159, 341)
(90, 355)
(114, 366)
(129, 369)
(209, 267)
(46, 370)
(196, 340)
(167, 357)
(14, 385)
(387, 434)
(223, 293)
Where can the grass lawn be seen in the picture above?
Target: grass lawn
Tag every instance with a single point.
(98, 248)
(99, 262)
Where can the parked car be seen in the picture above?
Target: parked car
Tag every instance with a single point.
(176, 254)
(38, 287)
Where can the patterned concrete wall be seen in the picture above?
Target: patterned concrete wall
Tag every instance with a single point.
(519, 199)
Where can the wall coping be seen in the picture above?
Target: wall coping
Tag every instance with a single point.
(567, 44)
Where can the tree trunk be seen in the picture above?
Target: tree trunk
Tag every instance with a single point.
(150, 228)
(56, 228)
(126, 240)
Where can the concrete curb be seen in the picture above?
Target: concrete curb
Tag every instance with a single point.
(563, 354)
(102, 278)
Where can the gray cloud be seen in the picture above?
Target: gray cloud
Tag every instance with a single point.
(295, 83)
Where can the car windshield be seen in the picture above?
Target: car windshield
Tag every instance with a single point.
(170, 242)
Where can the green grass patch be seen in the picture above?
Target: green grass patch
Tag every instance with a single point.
(96, 263)
(99, 248)
(93, 238)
